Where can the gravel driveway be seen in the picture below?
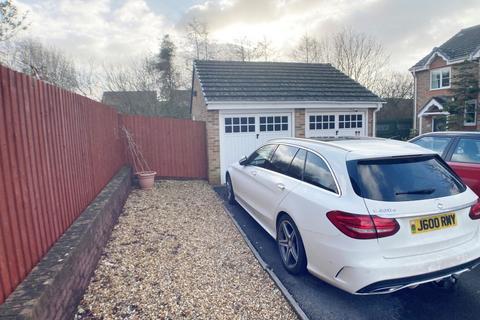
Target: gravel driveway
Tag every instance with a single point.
(175, 254)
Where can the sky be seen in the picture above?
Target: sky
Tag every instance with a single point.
(119, 30)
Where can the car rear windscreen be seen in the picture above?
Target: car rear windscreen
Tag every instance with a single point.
(403, 178)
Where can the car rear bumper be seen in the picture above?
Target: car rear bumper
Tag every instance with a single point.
(388, 286)
(364, 270)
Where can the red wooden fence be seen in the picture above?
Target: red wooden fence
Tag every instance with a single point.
(57, 151)
(172, 147)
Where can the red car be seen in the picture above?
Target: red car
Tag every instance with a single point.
(461, 150)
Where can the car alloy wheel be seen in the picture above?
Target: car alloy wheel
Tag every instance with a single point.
(288, 242)
(290, 246)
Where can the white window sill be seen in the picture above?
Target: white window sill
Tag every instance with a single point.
(442, 88)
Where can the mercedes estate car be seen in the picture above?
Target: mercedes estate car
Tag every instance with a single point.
(368, 216)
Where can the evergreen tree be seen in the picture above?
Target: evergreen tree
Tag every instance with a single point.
(164, 64)
(464, 86)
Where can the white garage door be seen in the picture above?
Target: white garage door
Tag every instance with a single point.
(335, 124)
(241, 134)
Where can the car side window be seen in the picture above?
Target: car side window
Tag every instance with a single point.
(261, 157)
(317, 173)
(297, 165)
(437, 144)
(282, 158)
(467, 150)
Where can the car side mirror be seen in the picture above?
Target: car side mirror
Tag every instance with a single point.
(243, 161)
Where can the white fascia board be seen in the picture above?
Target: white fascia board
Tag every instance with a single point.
(432, 103)
(253, 105)
(444, 113)
(448, 62)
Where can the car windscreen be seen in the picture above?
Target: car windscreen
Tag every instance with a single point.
(403, 178)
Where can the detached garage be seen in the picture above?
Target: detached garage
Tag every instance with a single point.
(245, 104)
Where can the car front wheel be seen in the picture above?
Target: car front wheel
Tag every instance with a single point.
(290, 246)
(230, 193)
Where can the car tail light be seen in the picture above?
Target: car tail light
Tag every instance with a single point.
(359, 226)
(475, 211)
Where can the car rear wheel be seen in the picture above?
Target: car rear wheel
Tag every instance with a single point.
(230, 193)
(290, 246)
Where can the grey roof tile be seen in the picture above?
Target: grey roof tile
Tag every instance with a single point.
(277, 81)
(461, 45)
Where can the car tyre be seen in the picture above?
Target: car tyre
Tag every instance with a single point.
(230, 192)
(290, 246)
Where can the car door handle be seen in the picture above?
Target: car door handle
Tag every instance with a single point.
(281, 186)
(253, 173)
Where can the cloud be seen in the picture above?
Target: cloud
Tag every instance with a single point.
(408, 29)
(117, 30)
(97, 29)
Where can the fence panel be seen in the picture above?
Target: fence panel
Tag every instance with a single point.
(174, 148)
(57, 151)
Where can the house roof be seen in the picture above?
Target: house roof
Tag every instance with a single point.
(463, 45)
(277, 81)
(435, 104)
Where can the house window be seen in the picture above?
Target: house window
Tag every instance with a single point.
(440, 78)
(470, 113)
(273, 123)
(347, 121)
(322, 122)
(239, 124)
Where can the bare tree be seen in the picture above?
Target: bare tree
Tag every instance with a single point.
(45, 63)
(242, 49)
(198, 35)
(11, 21)
(358, 55)
(136, 75)
(395, 85)
(307, 50)
(264, 49)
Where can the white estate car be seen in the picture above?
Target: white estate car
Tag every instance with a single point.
(366, 215)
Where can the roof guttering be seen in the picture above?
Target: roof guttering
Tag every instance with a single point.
(228, 105)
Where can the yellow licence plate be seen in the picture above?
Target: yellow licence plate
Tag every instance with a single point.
(432, 223)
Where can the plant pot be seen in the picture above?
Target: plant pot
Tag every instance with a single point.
(146, 179)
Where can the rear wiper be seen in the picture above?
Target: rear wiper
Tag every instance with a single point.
(421, 191)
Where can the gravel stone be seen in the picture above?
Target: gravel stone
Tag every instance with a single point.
(175, 254)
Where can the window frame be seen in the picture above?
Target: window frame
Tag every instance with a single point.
(455, 146)
(337, 185)
(248, 163)
(474, 123)
(289, 164)
(440, 70)
(231, 125)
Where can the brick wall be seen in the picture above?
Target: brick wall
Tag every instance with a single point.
(424, 94)
(299, 123)
(55, 286)
(211, 117)
(213, 147)
(199, 108)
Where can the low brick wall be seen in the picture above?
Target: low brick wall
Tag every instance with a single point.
(54, 287)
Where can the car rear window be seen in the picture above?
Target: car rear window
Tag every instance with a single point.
(437, 144)
(404, 178)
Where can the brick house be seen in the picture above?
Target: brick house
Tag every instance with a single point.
(245, 104)
(433, 81)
